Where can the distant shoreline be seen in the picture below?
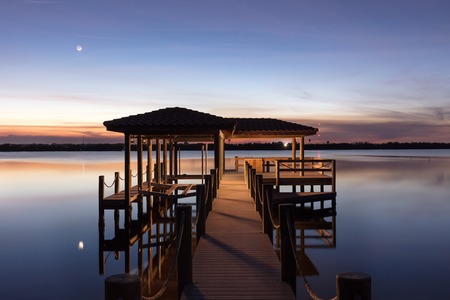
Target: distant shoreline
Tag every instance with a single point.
(245, 146)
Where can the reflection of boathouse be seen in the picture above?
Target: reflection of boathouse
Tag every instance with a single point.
(151, 195)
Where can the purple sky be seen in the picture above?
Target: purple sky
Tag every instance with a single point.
(374, 71)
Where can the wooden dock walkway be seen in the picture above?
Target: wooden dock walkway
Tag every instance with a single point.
(235, 260)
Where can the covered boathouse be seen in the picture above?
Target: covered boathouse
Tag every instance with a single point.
(168, 127)
(234, 218)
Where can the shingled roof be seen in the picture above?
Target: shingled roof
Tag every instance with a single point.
(170, 121)
(258, 127)
(183, 122)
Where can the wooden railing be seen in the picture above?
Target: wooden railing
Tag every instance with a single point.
(164, 193)
(282, 210)
(262, 164)
(287, 171)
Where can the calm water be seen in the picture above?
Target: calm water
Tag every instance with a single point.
(393, 223)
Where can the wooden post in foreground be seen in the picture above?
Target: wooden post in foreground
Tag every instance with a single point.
(353, 285)
(266, 222)
(258, 192)
(185, 254)
(287, 256)
(214, 183)
(208, 191)
(123, 287)
(201, 211)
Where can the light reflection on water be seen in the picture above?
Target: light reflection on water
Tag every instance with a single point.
(392, 222)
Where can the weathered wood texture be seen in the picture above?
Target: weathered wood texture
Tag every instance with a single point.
(235, 260)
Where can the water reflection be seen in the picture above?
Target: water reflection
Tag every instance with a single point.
(315, 228)
(393, 224)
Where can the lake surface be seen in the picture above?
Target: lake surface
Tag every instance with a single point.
(392, 222)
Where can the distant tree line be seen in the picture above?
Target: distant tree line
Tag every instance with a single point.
(228, 146)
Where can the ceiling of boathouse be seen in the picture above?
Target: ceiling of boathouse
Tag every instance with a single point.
(189, 125)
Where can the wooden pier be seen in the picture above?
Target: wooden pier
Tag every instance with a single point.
(235, 259)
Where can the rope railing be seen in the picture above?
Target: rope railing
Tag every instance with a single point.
(110, 185)
(172, 267)
(288, 166)
(197, 217)
(269, 209)
(294, 251)
(134, 176)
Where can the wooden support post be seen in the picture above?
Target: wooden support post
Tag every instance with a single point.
(267, 223)
(203, 163)
(245, 171)
(287, 256)
(217, 181)
(101, 196)
(171, 157)
(333, 175)
(208, 187)
(128, 198)
(175, 158)
(123, 286)
(116, 211)
(201, 211)
(258, 193)
(149, 161)
(158, 161)
(101, 225)
(128, 179)
(353, 285)
(116, 182)
(185, 254)
(164, 166)
(247, 174)
(213, 183)
(252, 182)
(140, 178)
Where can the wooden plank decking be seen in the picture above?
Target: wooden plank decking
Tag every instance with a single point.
(235, 260)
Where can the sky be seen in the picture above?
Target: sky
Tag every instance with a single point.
(360, 71)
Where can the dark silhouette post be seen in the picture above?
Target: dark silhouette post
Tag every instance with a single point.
(258, 193)
(123, 286)
(208, 191)
(184, 219)
(267, 223)
(353, 285)
(252, 182)
(214, 183)
(201, 211)
(101, 195)
(287, 254)
(101, 224)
